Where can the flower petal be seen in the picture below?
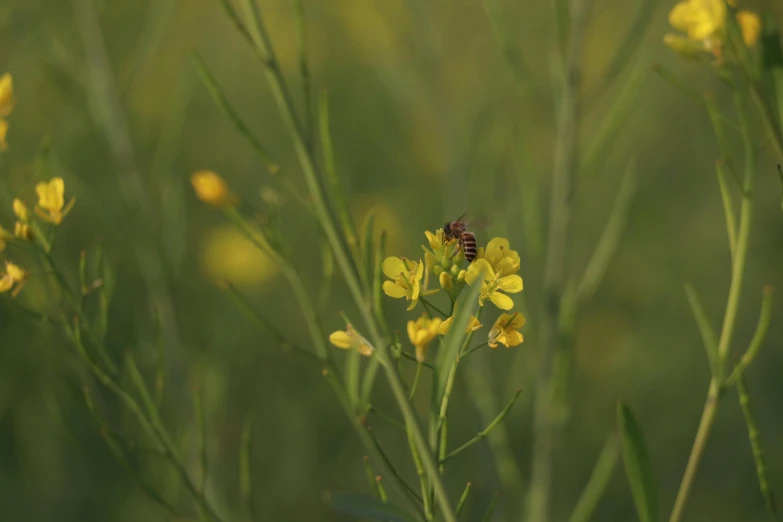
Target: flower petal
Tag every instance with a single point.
(511, 284)
(392, 267)
(445, 326)
(394, 290)
(513, 338)
(750, 23)
(517, 322)
(502, 301)
(496, 250)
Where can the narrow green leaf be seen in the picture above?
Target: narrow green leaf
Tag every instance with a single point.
(759, 335)
(598, 481)
(491, 509)
(368, 248)
(360, 505)
(638, 469)
(755, 445)
(463, 498)
(707, 334)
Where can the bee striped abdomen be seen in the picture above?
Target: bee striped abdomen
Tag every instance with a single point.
(468, 241)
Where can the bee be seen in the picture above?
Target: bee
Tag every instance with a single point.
(458, 229)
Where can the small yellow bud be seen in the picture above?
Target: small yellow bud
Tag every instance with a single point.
(3, 134)
(6, 95)
(20, 210)
(461, 275)
(22, 230)
(210, 188)
(445, 281)
(750, 23)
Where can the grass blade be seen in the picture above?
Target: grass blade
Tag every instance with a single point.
(491, 509)
(638, 469)
(598, 481)
(246, 468)
(707, 333)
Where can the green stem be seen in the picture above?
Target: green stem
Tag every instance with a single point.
(429, 305)
(730, 316)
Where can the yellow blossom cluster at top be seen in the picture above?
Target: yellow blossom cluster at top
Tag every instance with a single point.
(7, 103)
(494, 269)
(703, 22)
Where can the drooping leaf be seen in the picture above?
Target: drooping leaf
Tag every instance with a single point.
(638, 469)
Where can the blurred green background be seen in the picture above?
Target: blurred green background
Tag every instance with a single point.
(428, 121)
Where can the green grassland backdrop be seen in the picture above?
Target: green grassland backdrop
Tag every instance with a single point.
(436, 108)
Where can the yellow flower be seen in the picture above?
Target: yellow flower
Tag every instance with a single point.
(51, 201)
(227, 254)
(442, 256)
(492, 283)
(13, 276)
(405, 278)
(421, 332)
(350, 338)
(6, 95)
(473, 325)
(210, 188)
(22, 230)
(750, 23)
(3, 134)
(505, 330)
(500, 256)
(20, 210)
(700, 19)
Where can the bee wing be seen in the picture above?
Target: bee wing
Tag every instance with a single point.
(479, 224)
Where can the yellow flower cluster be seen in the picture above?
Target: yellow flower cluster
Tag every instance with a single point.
(703, 22)
(51, 208)
(7, 103)
(495, 269)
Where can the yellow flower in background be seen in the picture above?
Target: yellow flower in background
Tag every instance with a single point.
(210, 188)
(7, 101)
(506, 330)
(350, 338)
(20, 210)
(473, 325)
(226, 254)
(750, 24)
(3, 134)
(700, 19)
(421, 332)
(4, 235)
(13, 276)
(405, 278)
(492, 283)
(500, 256)
(51, 201)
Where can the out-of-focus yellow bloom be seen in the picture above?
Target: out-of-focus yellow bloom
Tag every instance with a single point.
(506, 330)
(3, 134)
(6, 95)
(228, 255)
(500, 256)
(13, 277)
(350, 338)
(750, 23)
(421, 333)
(20, 210)
(700, 19)
(405, 278)
(492, 283)
(51, 201)
(473, 325)
(210, 188)
(21, 227)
